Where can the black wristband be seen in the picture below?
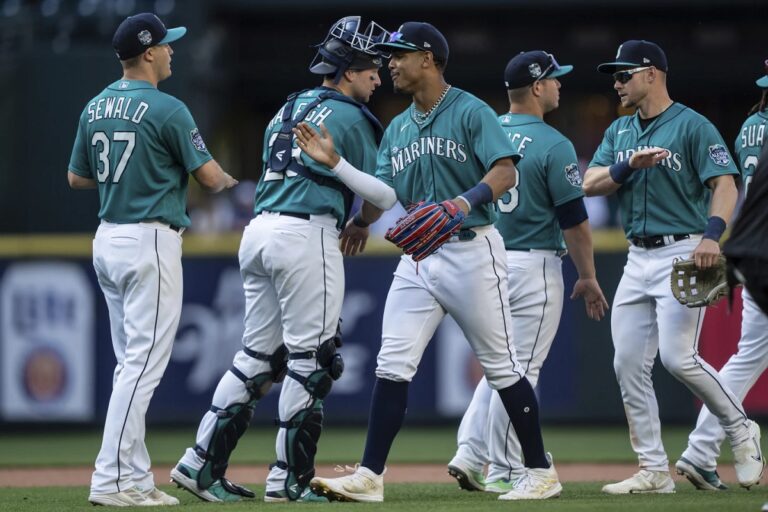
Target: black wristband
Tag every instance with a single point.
(620, 172)
(715, 228)
(358, 221)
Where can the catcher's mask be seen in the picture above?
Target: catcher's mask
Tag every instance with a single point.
(345, 47)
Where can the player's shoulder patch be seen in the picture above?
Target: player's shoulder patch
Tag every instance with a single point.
(573, 175)
(719, 155)
(197, 140)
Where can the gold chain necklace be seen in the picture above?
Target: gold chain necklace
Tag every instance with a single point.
(422, 118)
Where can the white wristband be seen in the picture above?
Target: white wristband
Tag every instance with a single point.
(469, 206)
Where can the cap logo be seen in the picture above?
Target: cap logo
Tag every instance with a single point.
(145, 37)
(534, 69)
(426, 45)
(646, 60)
(619, 51)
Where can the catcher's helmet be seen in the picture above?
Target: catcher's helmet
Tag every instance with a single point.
(345, 47)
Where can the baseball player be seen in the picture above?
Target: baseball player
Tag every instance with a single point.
(699, 461)
(542, 214)
(674, 179)
(293, 278)
(138, 146)
(446, 146)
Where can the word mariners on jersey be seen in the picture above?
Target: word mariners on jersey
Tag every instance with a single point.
(674, 161)
(440, 146)
(116, 108)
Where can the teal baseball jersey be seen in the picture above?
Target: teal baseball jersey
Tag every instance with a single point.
(548, 176)
(672, 197)
(445, 155)
(354, 139)
(140, 145)
(749, 143)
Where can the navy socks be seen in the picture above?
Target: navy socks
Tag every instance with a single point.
(523, 409)
(388, 403)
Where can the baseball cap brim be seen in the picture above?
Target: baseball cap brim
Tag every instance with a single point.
(612, 67)
(563, 70)
(762, 82)
(174, 34)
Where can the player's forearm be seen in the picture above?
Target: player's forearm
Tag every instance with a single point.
(724, 197)
(369, 213)
(78, 182)
(366, 186)
(578, 239)
(598, 182)
(501, 177)
(212, 177)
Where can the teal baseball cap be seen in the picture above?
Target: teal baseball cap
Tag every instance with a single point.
(763, 82)
(137, 33)
(527, 67)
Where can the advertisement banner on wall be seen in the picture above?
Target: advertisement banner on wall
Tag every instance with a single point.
(46, 342)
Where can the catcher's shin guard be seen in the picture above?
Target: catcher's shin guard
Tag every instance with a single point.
(304, 428)
(233, 421)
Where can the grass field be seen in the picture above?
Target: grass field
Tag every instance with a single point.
(337, 446)
(430, 497)
(344, 445)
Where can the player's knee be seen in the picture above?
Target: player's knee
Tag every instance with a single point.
(677, 364)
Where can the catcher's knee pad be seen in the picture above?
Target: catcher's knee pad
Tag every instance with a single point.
(233, 421)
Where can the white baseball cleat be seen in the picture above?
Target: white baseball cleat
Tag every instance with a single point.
(536, 484)
(363, 485)
(469, 479)
(128, 498)
(160, 496)
(748, 458)
(644, 481)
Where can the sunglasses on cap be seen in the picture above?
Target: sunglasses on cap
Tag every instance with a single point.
(552, 66)
(626, 75)
(397, 37)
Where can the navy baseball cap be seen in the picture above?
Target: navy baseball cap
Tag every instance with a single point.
(417, 36)
(527, 67)
(763, 82)
(137, 33)
(635, 54)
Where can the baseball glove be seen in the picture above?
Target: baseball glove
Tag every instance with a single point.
(694, 287)
(427, 226)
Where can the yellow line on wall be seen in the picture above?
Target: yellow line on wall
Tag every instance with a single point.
(222, 245)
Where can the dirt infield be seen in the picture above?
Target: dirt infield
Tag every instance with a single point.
(399, 473)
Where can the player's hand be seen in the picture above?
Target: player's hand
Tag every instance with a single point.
(229, 181)
(706, 253)
(318, 146)
(353, 239)
(647, 157)
(594, 300)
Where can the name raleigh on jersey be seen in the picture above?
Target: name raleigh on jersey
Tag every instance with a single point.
(423, 146)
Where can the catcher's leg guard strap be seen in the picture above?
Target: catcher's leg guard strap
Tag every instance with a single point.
(233, 421)
(301, 437)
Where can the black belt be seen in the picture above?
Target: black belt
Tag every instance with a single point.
(174, 227)
(654, 242)
(304, 216)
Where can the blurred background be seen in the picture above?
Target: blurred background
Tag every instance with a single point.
(238, 62)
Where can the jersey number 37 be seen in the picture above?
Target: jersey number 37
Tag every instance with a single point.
(102, 143)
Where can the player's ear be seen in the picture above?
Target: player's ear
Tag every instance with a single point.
(428, 58)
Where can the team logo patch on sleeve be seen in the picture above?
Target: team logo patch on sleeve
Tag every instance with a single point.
(572, 175)
(719, 155)
(197, 140)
